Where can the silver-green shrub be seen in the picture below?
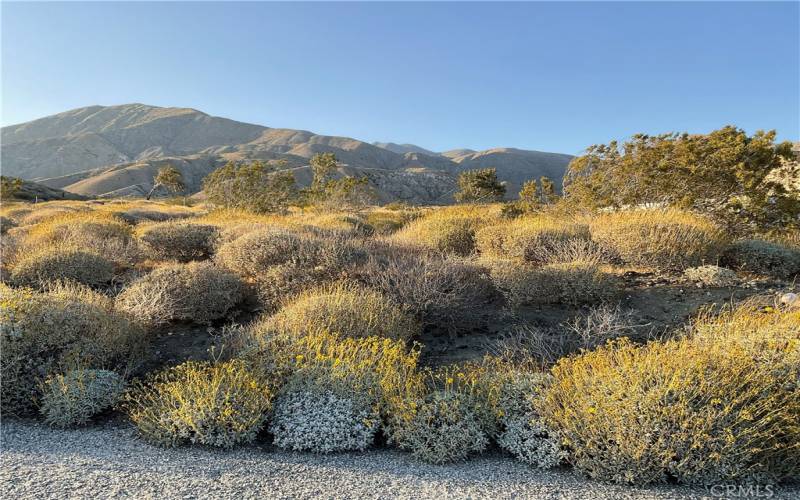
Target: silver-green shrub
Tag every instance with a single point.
(713, 276)
(72, 398)
(763, 257)
(322, 421)
(54, 264)
(445, 428)
(521, 431)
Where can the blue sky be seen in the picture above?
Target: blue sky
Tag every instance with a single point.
(546, 76)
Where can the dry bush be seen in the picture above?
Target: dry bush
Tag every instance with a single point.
(526, 343)
(441, 291)
(198, 292)
(713, 276)
(716, 407)
(570, 283)
(145, 215)
(341, 223)
(6, 223)
(98, 232)
(387, 221)
(764, 258)
(251, 254)
(347, 310)
(531, 239)
(220, 405)
(449, 230)
(46, 333)
(664, 239)
(42, 213)
(181, 241)
(57, 263)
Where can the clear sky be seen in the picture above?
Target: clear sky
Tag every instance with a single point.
(546, 76)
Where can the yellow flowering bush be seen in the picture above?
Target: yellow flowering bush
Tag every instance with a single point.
(718, 406)
(215, 404)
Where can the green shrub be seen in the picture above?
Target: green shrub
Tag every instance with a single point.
(713, 276)
(346, 310)
(55, 263)
(568, 283)
(666, 239)
(71, 399)
(200, 403)
(46, 333)
(763, 257)
(179, 241)
(197, 291)
(716, 407)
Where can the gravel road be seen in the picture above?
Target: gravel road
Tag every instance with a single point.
(109, 461)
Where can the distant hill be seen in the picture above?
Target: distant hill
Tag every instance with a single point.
(33, 191)
(115, 150)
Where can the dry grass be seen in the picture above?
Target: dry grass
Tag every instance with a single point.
(448, 230)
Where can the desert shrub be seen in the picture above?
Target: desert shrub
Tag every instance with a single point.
(91, 231)
(566, 283)
(386, 222)
(604, 322)
(347, 224)
(280, 285)
(56, 263)
(197, 291)
(445, 230)
(43, 213)
(763, 257)
(141, 215)
(347, 310)
(179, 241)
(72, 398)
(373, 373)
(718, 406)
(322, 422)
(445, 424)
(529, 239)
(521, 431)
(46, 333)
(254, 252)
(220, 404)
(445, 292)
(713, 276)
(668, 239)
(6, 224)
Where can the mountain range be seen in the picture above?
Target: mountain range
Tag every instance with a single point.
(116, 150)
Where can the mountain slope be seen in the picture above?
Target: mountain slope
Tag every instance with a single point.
(101, 150)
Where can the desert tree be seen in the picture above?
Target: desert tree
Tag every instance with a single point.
(327, 192)
(479, 186)
(726, 174)
(9, 187)
(169, 178)
(255, 186)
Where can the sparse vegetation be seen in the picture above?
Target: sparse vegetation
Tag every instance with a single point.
(71, 399)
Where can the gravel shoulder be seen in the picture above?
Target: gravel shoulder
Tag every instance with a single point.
(109, 461)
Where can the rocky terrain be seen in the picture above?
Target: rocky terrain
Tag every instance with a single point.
(115, 150)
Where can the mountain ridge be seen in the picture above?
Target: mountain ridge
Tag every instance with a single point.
(122, 146)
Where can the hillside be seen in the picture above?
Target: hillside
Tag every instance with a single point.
(115, 150)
